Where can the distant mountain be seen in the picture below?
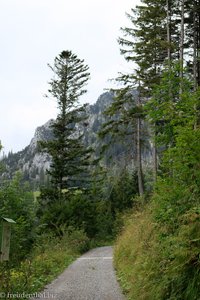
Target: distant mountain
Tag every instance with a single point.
(33, 164)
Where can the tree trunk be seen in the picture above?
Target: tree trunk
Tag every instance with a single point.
(195, 48)
(195, 34)
(154, 154)
(139, 159)
(168, 33)
(139, 151)
(182, 36)
(198, 40)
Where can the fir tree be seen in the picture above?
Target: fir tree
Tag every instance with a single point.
(69, 157)
(145, 43)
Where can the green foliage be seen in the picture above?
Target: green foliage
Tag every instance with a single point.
(169, 109)
(76, 239)
(69, 157)
(74, 208)
(143, 43)
(104, 220)
(93, 210)
(153, 263)
(114, 197)
(48, 259)
(17, 203)
(183, 159)
(157, 255)
(118, 131)
(122, 190)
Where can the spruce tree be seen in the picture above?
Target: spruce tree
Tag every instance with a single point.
(156, 37)
(144, 43)
(70, 159)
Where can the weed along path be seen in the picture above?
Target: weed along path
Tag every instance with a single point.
(90, 277)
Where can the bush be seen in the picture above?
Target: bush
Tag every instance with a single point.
(50, 256)
(17, 203)
(76, 240)
(74, 208)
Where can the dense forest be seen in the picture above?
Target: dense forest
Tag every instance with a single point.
(150, 209)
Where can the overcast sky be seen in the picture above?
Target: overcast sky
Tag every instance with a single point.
(32, 33)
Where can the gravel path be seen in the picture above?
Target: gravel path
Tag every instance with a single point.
(90, 277)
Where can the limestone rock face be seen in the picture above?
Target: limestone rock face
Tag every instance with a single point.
(42, 133)
(33, 164)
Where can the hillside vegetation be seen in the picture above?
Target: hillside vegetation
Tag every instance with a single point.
(48, 258)
(155, 262)
(158, 254)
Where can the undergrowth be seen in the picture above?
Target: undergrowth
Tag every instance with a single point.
(154, 262)
(49, 258)
(158, 254)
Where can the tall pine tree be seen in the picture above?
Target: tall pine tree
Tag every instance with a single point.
(70, 159)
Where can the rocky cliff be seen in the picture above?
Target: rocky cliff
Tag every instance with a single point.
(33, 164)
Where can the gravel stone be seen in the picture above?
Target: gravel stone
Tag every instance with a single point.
(90, 277)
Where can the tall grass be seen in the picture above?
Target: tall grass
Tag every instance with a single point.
(153, 264)
(48, 259)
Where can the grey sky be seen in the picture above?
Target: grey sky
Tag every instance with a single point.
(32, 33)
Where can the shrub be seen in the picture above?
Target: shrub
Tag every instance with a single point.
(49, 258)
(17, 203)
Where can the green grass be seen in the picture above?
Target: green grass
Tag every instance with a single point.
(48, 259)
(153, 264)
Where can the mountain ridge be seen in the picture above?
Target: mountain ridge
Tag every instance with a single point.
(33, 164)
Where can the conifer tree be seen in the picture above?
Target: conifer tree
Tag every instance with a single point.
(159, 34)
(69, 157)
(145, 43)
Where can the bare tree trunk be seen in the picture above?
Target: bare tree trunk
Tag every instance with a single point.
(168, 33)
(182, 37)
(198, 41)
(139, 159)
(139, 152)
(154, 150)
(154, 154)
(195, 49)
(182, 32)
(195, 56)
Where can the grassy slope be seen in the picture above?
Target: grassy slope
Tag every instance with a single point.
(153, 264)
